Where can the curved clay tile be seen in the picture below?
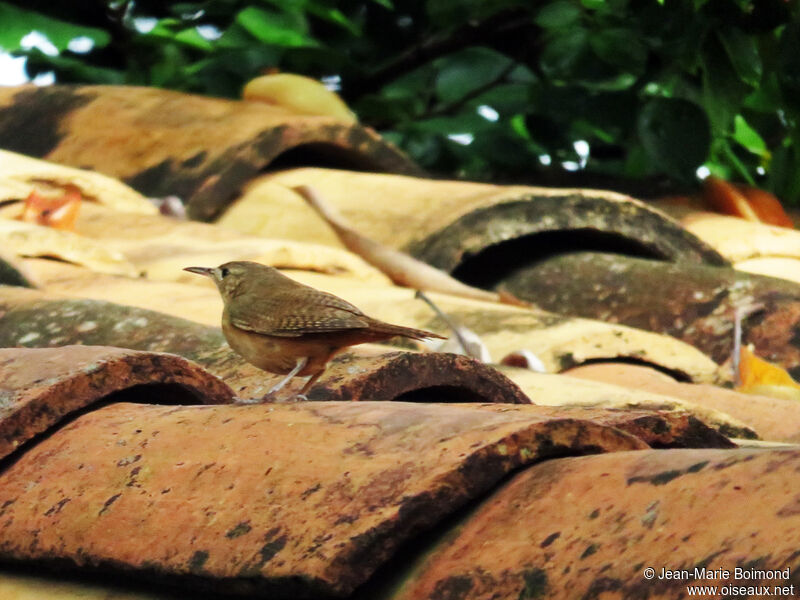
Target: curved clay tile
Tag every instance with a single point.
(33, 319)
(159, 247)
(738, 239)
(13, 272)
(693, 303)
(479, 231)
(162, 142)
(40, 387)
(776, 419)
(590, 527)
(25, 584)
(755, 248)
(31, 240)
(559, 342)
(657, 428)
(566, 392)
(302, 500)
(20, 175)
(412, 376)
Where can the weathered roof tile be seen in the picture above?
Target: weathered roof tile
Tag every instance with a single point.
(294, 500)
(33, 319)
(40, 387)
(196, 147)
(775, 419)
(589, 527)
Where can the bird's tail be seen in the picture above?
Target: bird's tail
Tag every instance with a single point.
(392, 330)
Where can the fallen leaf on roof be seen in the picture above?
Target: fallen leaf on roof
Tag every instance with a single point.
(299, 94)
(744, 201)
(759, 376)
(58, 212)
(20, 175)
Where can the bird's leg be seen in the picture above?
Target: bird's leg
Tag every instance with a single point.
(301, 363)
(309, 382)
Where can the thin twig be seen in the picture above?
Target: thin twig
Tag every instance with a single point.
(454, 106)
(434, 47)
(447, 320)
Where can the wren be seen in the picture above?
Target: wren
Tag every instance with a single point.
(285, 327)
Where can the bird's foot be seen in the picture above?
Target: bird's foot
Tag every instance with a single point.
(272, 396)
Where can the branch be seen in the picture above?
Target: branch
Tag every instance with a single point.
(469, 35)
(448, 109)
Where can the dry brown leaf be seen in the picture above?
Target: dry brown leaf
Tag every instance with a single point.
(58, 212)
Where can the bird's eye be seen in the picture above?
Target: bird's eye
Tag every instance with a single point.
(223, 272)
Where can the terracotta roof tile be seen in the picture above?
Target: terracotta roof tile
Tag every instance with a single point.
(589, 527)
(694, 303)
(40, 387)
(567, 391)
(108, 471)
(559, 341)
(295, 500)
(775, 419)
(657, 428)
(197, 148)
(33, 319)
(451, 222)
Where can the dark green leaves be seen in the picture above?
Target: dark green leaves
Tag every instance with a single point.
(558, 15)
(495, 89)
(464, 72)
(563, 52)
(15, 23)
(743, 53)
(675, 134)
(275, 28)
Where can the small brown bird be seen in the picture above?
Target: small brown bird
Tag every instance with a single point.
(285, 327)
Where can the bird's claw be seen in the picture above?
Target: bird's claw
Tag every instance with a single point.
(273, 397)
(270, 396)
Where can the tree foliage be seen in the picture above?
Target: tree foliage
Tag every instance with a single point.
(489, 89)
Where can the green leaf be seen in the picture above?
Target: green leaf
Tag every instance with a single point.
(620, 47)
(501, 146)
(743, 53)
(469, 123)
(766, 97)
(784, 177)
(675, 134)
(748, 137)
(721, 146)
(333, 15)
(519, 127)
(466, 71)
(507, 99)
(69, 69)
(191, 37)
(789, 60)
(594, 4)
(559, 14)
(277, 29)
(723, 90)
(17, 23)
(563, 52)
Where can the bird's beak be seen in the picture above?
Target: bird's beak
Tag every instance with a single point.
(200, 271)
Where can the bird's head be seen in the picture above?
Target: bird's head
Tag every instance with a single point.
(233, 277)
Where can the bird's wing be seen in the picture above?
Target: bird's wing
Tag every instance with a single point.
(285, 315)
